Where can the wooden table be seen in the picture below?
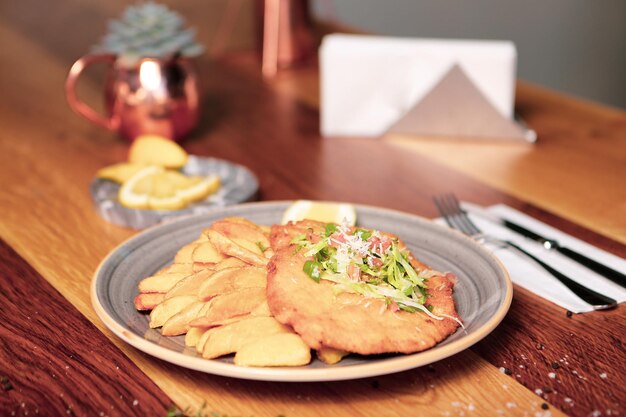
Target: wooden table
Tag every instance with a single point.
(57, 358)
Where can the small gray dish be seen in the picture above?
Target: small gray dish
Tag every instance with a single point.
(482, 295)
(238, 185)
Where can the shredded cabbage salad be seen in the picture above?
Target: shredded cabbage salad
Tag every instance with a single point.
(365, 262)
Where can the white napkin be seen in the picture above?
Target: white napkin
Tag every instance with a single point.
(369, 82)
(525, 273)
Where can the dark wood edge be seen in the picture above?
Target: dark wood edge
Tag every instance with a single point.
(53, 361)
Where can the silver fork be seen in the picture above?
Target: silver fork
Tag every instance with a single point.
(449, 207)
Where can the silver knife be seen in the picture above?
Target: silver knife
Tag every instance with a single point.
(551, 244)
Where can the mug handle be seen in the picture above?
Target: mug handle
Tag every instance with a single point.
(77, 105)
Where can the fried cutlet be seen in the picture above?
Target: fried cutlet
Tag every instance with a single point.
(325, 317)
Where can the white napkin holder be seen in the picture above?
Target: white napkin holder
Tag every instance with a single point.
(371, 85)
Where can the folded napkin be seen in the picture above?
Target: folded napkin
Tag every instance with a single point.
(525, 273)
(371, 85)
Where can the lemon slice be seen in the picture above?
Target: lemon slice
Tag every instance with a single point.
(119, 172)
(157, 150)
(199, 188)
(157, 188)
(135, 192)
(326, 212)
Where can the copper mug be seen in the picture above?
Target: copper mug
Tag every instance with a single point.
(154, 96)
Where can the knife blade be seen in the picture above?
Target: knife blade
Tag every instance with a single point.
(550, 244)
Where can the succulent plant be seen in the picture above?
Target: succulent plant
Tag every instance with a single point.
(148, 30)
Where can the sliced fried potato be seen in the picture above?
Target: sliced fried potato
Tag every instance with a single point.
(241, 220)
(190, 284)
(201, 342)
(206, 252)
(230, 248)
(147, 301)
(281, 349)
(178, 268)
(184, 254)
(244, 233)
(232, 337)
(205, 332)
(262, 310)
(201, 239)
(200, 266)
(229, 263)
(168, 308)
(236, 303)
(160, 283)
(330, 356)
(179, 323)
(193, 335)
(232, 279)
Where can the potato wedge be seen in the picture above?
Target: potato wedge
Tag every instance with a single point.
(201, 239)
(232, 337)
(244, 233)
(193, 335)
(184, 254)
(179, 323)
(282, 349)
(200, 266)
(161, 283)
(201, 342)
(330, 356)
(230, 263)
(203, 322)
(178, 268)
(236, 303)
(204, 335)
(168, 308)
(147, 301)
(232, 279)
(262, 310)
(230, 248)
(206, 253)
(241, 220)
(190, 284)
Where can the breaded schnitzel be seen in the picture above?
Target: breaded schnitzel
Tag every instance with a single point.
(344, 296)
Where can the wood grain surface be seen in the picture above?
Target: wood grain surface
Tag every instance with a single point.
(48, 157)
(545, 173)
(53, 361)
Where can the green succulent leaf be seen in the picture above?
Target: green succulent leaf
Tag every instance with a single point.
(149, 30)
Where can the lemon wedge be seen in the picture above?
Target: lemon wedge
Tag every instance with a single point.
(326, 212)
(119, 173)
(157, 188)
(135, 192)
(198, 188)
(157, 150)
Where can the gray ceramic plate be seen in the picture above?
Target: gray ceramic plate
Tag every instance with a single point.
(238, 185)
(483, 293)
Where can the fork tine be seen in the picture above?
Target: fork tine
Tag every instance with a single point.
(442, 208)
(463, 217)
(449, 207)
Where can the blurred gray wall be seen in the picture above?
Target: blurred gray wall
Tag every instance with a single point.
(575, 46)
